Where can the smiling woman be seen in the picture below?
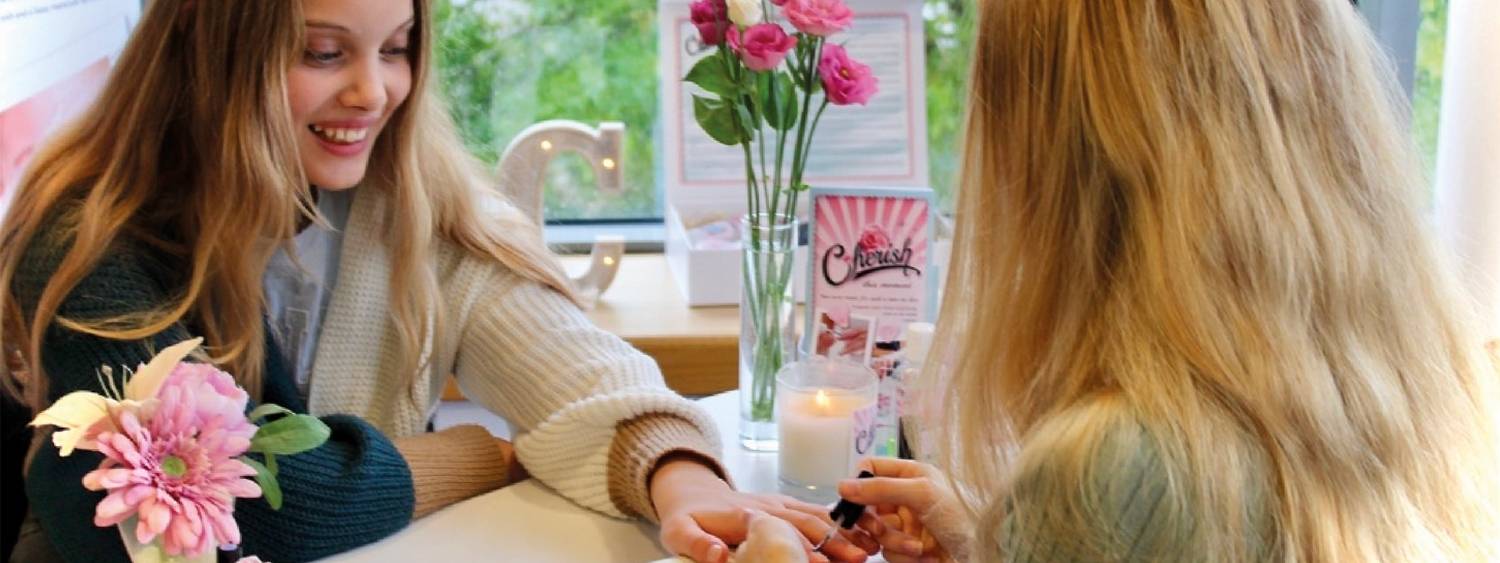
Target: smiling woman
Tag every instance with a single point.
(301, 201)
(350, 81)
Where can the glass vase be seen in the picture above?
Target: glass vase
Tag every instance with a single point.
(767, 334)
(152, 552)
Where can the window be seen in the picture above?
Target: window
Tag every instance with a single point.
(1427, 87)
(506, 64)
(1413, 33)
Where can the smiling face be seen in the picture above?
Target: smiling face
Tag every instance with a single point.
(354, 74)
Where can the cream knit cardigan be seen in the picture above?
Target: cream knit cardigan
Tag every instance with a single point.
(519, 349)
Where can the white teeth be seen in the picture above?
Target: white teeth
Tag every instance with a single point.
(344, 136)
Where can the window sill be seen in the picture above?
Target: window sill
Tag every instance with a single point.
(577, 239)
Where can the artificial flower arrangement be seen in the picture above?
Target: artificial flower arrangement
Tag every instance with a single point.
(174, 441)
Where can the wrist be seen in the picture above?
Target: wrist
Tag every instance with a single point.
(678, 473)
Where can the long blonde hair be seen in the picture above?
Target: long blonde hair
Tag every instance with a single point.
(191, 148)
(1205, 214)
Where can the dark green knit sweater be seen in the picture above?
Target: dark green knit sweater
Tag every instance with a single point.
(353, 490)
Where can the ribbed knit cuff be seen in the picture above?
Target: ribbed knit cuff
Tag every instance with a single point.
(453, 465)
(639, 445)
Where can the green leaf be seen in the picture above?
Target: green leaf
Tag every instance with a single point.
(711, 75)
(747, 122)
(717, 119)
(271, 464)
(782, 112)
(267, 481)
(267, 410)
(289, 435)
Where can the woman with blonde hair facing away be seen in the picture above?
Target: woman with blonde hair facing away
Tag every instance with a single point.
(1194, 313)
(179, 205)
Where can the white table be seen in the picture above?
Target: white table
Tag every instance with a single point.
(529, 522)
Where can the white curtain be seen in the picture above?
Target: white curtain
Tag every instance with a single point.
(1468, 163)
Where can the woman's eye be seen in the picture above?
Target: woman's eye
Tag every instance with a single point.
(394, 52)
(322, 57)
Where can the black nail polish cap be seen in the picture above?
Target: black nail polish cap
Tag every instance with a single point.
(846, 513)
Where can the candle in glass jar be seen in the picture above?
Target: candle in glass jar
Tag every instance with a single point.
(826, 424)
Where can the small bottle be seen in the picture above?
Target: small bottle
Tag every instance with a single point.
(917, 341)
(886, 364)
(229, 553)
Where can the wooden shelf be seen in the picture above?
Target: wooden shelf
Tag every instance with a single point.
(696, 347)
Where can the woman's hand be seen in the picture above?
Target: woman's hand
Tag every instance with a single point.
(772, 540)
(912, 512)
(702, 517)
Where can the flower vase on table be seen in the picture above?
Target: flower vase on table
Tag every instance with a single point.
(768, 338)
(764, 92)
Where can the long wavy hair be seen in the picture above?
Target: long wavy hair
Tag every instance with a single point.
(1203, 216)
(191, 148)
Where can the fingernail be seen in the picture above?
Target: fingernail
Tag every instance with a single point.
(848, 488)
(715, 551)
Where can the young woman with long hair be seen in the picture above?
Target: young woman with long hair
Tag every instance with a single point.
(179, 205)
(1194, 312)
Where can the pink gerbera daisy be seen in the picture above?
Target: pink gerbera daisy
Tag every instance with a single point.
(177, 471)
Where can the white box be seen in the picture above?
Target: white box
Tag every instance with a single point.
(705, 276)
(711, 277)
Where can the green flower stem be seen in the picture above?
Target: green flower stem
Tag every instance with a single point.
(814, 128)
(752, 198)
(804, 137)
(767, 276)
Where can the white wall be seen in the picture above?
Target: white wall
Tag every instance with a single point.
(54, 57)
(1468, 164)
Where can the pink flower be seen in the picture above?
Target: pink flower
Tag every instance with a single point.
(778, 2)
(763, 46)
(176, 471)
(845, 80)
(873, 238)
(711, 17)
(214, 400)
(819, 17)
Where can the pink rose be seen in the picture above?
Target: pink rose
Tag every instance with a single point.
(711, 17)
(763, 46)
(845, 80)
(819, 17)
(874, 238)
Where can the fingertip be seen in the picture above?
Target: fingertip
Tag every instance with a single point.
(716, 554)
(849, 489)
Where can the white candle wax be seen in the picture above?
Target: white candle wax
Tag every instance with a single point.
(816, 430)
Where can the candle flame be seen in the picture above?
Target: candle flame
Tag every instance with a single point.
(821, 399)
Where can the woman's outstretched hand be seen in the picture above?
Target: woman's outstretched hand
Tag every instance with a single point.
(703, 518)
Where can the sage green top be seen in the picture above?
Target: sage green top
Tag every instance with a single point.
(1120, 486)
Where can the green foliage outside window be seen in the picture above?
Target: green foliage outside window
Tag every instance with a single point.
(1427, 89)
(505, 64)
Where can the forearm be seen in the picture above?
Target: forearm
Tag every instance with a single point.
(456, 464)
(647, 443)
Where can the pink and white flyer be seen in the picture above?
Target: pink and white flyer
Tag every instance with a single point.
(870, 260)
